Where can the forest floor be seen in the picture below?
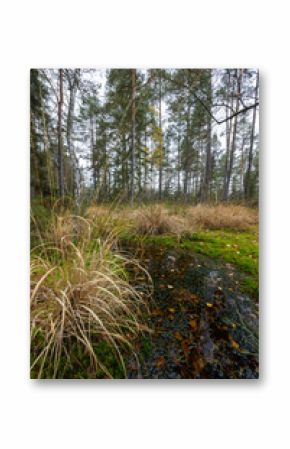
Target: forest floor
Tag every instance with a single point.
(205, 312)
(202, 313)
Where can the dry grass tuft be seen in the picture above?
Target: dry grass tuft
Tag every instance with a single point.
(221, 216)
(80, 294)
(93, 212)
(156, 219)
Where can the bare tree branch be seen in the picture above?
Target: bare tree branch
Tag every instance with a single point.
(207, 109)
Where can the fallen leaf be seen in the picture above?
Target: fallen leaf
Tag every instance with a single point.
(171, 309)
(170, 286)
(185, 348)
(193, 324)
(178, 336)
(183, 294)
(198, 364)
(157, 312)
(209, 304)
(160, 362)
(235, 345)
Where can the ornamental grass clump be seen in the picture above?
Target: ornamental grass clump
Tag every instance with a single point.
(156, 220)
(82, 297)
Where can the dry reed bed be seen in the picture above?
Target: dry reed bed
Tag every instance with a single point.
(158, 219)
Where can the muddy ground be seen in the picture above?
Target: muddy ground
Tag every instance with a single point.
(202, 325)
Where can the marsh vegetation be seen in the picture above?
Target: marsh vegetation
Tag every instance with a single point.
(144, 223)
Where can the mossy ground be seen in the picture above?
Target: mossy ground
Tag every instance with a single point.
(238, 248)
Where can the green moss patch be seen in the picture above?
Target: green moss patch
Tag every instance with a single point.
(235, 247)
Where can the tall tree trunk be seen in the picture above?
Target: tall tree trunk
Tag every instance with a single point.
(161, 138)
(124, 162)
(229, 125)
(59, 136)
(208, 164)
(247, 185)
(73, 82)
(133, 153)
(239, 74)
(187, 158)
(145, 162)
(242, 167)
(34, 166)
(93, 153)
(49, 162)
(179, 163)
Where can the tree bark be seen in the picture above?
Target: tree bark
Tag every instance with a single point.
(133, 154)
(73, 83)
(247, 185)
(60, 139)
(239, 74)
(207, 178)
(187, 158)
(161, 139)
(229, 124)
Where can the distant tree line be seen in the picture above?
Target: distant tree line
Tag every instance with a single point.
(140, 135)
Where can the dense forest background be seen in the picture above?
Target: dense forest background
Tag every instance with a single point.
(142, 135)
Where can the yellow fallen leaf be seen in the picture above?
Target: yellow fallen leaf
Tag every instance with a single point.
(235, 345)
(171, 309)
(198, 364)
(178, 336)
(160, 362)
(193, 324)
(209, 304)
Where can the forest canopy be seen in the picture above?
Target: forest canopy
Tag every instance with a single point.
(144, 135)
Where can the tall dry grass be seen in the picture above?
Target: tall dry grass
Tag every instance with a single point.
(155, 220)
(159, 219)
(81, 295)
(221, 216)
